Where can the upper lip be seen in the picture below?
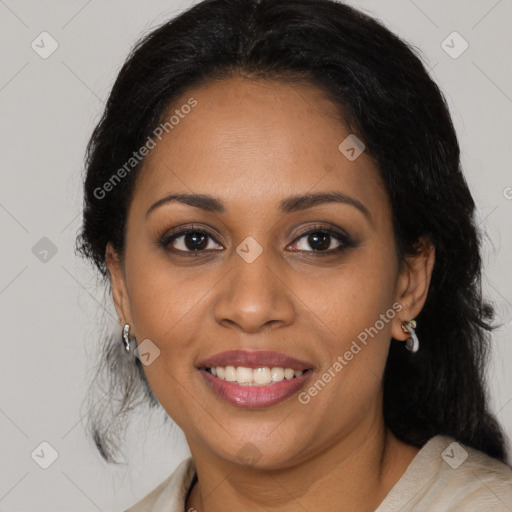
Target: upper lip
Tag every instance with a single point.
(254, 359)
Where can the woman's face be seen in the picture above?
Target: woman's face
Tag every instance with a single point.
(261, 152)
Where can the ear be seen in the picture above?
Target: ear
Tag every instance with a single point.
(118, 284)
(413, 284)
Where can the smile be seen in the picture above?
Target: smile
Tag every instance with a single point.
(252, 394)
(262, 376)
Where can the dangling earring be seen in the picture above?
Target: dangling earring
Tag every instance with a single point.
(126, 339)
(412, 344)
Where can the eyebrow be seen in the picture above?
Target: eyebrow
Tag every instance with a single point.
(289, 205)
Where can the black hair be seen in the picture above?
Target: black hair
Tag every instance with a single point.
(386, 96)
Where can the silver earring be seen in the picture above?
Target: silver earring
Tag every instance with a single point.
(412, 344)
(126, 339)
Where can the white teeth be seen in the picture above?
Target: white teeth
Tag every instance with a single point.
(255, 377)
(277, 374)
(262, 375)
(243, 375)
(288, 373)
(230, 373)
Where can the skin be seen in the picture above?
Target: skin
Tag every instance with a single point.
(251, 144)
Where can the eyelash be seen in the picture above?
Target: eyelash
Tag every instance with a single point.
(345, 241)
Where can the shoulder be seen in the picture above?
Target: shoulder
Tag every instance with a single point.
(447, 475)
(169, 495)
(474, 478)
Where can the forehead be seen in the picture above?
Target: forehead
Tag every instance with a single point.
(249, 140)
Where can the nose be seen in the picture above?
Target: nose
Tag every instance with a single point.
(255, 296)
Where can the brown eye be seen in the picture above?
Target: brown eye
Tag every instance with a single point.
(191, 240)
(322, 240)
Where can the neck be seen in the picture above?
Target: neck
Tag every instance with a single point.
(354, 474)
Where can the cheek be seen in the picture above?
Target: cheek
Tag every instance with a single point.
(163, 296)
(167, 308)
(353, 310)
(352, 297)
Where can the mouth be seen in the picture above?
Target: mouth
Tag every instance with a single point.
(254, 379)
(260, 376)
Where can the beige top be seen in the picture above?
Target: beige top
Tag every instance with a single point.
(444, 476)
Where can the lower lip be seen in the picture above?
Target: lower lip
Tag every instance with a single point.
(255, 396)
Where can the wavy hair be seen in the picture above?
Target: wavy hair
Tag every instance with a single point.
(385, 95)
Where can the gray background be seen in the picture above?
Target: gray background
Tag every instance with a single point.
(51, 311)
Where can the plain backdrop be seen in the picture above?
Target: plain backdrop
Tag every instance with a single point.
(51, 306)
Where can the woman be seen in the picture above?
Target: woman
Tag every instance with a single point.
(274, 194)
